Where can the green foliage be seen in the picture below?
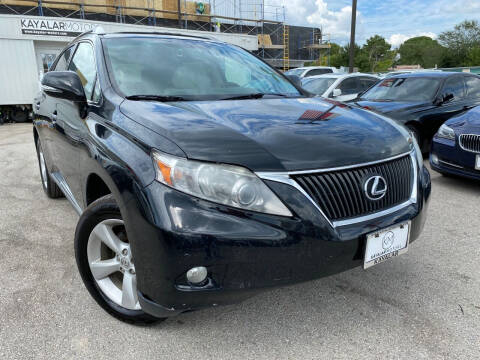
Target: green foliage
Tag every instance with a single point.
(379, 53)
(421, 50)
(457, 47)
(460, 41)
(473, 57)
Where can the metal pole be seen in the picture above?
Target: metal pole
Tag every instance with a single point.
(352, 36)
(179, 14)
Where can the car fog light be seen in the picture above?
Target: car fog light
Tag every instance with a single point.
(197, 274)
(435, 159)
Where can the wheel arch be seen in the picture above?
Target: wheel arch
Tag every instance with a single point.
(95, 188)
(35, 135)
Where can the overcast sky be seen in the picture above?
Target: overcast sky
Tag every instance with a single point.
(396, 20)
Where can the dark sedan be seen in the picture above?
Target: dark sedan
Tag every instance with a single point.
(456, 146)
(423, 101)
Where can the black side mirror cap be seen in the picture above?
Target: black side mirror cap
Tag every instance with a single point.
(65, 85)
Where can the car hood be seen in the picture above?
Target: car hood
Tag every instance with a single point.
(393, 109)
(466, 122)
(269, 134)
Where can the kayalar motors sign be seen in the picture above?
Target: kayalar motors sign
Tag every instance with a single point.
(54, 27)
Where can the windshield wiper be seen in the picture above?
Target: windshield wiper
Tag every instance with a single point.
(253, 96)
(162, 98)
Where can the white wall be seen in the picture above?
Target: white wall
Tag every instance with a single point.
(18, 72)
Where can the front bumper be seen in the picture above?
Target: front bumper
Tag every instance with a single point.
(244, 252)
(452, 159)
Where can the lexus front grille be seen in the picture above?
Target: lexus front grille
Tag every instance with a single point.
(341, 193)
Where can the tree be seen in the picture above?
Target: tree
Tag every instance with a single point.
(421, 50)
(379, 54)
(461, 40)
(473, 57)
(335, 58)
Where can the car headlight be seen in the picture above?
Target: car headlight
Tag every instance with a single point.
(446, 132)
(224, 184)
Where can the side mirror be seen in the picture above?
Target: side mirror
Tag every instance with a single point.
(443, 99)
(295, 79)
(64, 85)
(337, 92)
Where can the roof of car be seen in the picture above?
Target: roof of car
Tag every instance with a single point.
(314, 67)
(439, 74)
(144, 33)
(340, 75)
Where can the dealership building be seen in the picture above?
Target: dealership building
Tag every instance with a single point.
(29, 45)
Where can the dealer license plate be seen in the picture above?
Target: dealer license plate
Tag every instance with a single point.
(477, 163)
(385, 244)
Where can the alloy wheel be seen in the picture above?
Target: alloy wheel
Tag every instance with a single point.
(111, 263)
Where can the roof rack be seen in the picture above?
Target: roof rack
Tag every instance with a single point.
(161, 33)
(84, 33)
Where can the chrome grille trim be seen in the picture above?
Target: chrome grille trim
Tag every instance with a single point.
(284, 177)
(470, 142)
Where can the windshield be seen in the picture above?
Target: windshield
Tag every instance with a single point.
(318, 86)
(403, 89)
(189, 69)
(297, 72)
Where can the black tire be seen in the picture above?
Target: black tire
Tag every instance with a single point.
(49, 186)
(100, 210)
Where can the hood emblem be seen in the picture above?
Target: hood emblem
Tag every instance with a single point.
(375, 187)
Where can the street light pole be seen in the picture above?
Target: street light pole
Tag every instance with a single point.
(352, 36)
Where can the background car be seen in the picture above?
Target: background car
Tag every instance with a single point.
(400, 72)
(312, 71)
(456, 146)
(423, 101)
(341, 87)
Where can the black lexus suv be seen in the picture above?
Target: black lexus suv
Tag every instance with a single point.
(202, 175)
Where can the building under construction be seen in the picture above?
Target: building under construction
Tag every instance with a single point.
(33, 32)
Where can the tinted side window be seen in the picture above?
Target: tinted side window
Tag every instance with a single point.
(366, 83)
(83, 63)
(473, 86)
(454, 86)
(350, 86)
(318, 72)
(63, 60)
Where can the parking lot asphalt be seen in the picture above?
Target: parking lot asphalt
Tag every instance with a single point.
(423, 305)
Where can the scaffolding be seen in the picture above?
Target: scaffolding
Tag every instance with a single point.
(252, 17)
(318, 46)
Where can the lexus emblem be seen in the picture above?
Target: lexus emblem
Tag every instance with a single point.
(375, 187)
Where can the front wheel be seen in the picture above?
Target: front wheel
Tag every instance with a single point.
(106, 263)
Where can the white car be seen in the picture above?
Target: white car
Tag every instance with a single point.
(309, 71)
(341, 87)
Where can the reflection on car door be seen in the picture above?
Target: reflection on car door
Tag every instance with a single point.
(472, 83)
(70, 119)
(45, 113)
